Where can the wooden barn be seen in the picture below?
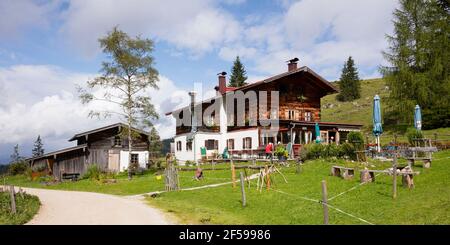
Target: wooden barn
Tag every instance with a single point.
(104, 147)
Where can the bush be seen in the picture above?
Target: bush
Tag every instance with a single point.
(315, 151)
(412, 134)
(355, 138)
(330, 150)
(280, 151)
(189, 163)
(347, 150)
(311, 151)
(18, 168)
(93, 172)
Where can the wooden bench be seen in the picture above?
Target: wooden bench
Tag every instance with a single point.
(427, 151)
(70, 176)
(346, 173)
(407, 174)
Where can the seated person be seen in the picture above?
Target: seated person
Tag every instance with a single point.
(198, 174)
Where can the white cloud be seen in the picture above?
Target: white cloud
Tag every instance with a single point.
(18, 15)
(194, 25)
(41, 100)
(322, 33)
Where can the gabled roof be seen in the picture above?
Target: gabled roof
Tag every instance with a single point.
(330, 88)
(78, 147)
(116, 125)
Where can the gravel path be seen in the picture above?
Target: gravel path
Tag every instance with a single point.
(87, 208)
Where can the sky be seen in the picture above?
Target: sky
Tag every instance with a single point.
(49, 47)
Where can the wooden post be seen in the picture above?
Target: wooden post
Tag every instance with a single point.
(243, 190)
(233, 174)
(325, 202)
(394, 172)
(266, 169)
(13, 199)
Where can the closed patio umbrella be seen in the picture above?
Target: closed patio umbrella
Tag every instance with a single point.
(317, 129)
(377, 128)
(417, 118)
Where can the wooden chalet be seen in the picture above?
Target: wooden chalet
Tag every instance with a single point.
(105, 147)
(300, 90)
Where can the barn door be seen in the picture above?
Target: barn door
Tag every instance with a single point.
(113, 161)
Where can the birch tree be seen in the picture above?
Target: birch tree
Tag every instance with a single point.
(125, 78)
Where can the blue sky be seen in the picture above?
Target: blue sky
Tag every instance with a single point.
(48, 47)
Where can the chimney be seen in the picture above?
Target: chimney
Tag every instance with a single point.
(292, 65)
(222, 82)
(193, 116)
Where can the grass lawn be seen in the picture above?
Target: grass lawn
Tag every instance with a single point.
(427, 203)
(26, 207)
(138, 185)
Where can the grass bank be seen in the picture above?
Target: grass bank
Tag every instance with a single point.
(427, 203)
(26, 207)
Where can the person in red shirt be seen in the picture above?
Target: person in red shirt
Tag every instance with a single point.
(269, 148)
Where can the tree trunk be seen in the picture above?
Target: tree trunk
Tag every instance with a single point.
(130, 167)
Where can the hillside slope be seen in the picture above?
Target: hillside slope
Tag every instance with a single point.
(357, 111)
(360, 110)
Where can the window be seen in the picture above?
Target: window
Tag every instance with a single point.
(134, 158)
(178, 145)
(117, 141)
(230, 144)
(189, 146)
(210, 120)
(212, 144)
(291, 114)
(308, 116)
(247, 143)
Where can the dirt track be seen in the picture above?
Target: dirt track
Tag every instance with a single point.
(86, 208)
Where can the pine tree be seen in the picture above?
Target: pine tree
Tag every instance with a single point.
(155, 141)
(15, 156)
(419, 57)
(238, 74)
(38, 149)
(349, 83)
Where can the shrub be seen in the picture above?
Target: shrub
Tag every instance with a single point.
(412, 134)
(330, 150)
(355, 138)
(314, 151)
(18, 168)
(189, 163)
(93, 172)
(347, 150)
(311, 151)
(281, 151)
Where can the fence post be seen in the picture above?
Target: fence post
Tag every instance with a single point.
(243, 190)
(325, 202)
(266, 169)
(13, 199)
(394, 172)
(233, 174)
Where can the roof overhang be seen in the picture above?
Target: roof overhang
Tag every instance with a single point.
(116, 125)
(323, 83)
(55, 153)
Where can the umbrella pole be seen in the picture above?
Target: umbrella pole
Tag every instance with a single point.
(378, 143)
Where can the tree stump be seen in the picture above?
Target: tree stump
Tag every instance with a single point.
(348, 174)
(366, 176)
(407, 181)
